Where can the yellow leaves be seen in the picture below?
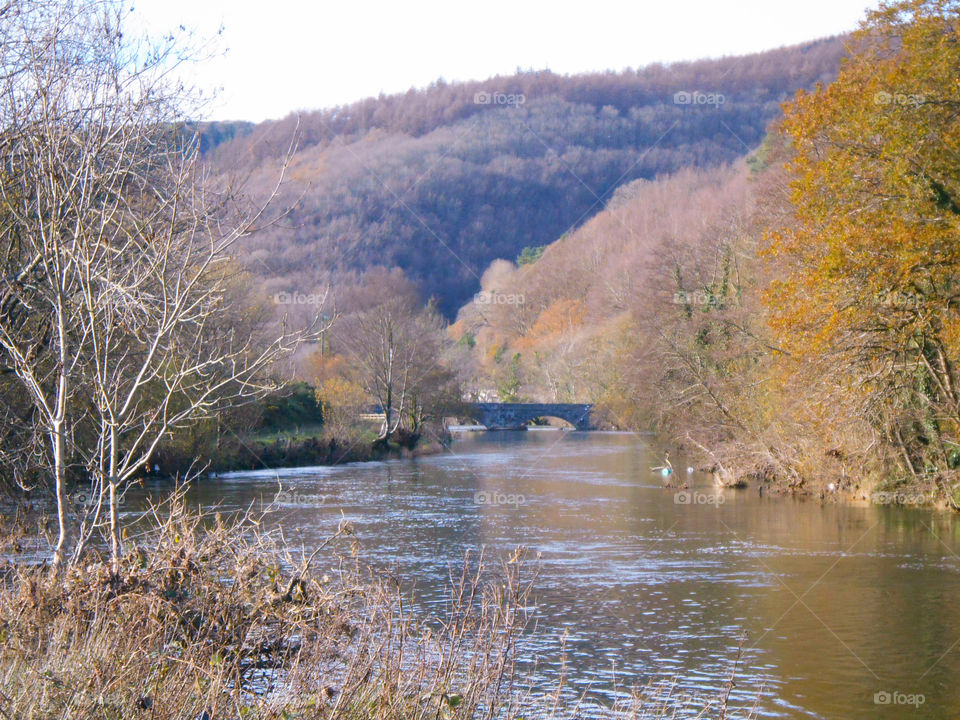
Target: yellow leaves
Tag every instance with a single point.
(457, 329)
(338, 391)
(325, 364)
(494, 352)
(874, 182)
(342, 401)
(951, 335)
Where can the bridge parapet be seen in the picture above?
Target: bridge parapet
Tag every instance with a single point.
(514, 416)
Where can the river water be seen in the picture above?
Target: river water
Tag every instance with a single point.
(843, 612)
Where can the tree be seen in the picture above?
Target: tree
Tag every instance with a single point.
(871, 287)
(115, 308)
(395, 349)
(437, 392)
(342, 401)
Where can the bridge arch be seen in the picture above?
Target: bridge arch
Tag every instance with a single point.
(551, 421)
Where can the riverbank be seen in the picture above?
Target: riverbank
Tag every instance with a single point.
(834, 481)
(298, 448)
(891, 495)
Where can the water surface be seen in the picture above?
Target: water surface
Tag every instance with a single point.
(833, 604)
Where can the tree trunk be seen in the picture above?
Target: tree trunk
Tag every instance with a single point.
(63, 526)
(387, 413)
(114, 522)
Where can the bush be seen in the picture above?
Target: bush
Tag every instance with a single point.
(292, 406)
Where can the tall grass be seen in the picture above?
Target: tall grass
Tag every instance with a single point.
(220, 617)
(214, 617)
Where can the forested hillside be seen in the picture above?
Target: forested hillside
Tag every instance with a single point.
(442, 181)
(581, 322)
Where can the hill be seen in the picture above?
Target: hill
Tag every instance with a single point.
(442, 181)
(573, 324)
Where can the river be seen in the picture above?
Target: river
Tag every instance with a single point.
(843, 612)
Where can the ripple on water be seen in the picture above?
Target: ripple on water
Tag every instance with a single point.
(662, 591)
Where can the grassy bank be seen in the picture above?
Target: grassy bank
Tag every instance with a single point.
(280, 451)
(285, 429)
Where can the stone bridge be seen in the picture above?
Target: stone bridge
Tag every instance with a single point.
(516, 416)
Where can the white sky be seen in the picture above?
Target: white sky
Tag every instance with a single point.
(282, 55)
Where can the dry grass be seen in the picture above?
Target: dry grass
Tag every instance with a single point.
(218, 616)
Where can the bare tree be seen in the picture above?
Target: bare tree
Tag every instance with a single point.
(394, 347)
(437, 392)
(114, 310)
(381, 342)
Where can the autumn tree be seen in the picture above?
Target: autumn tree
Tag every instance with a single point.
(870, 257)
(342, 401)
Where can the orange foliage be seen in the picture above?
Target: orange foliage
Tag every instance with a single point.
(560, 320)
(869, 264)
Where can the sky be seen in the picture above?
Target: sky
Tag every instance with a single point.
(274, 57)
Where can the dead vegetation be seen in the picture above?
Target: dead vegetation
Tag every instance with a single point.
(216, 617)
